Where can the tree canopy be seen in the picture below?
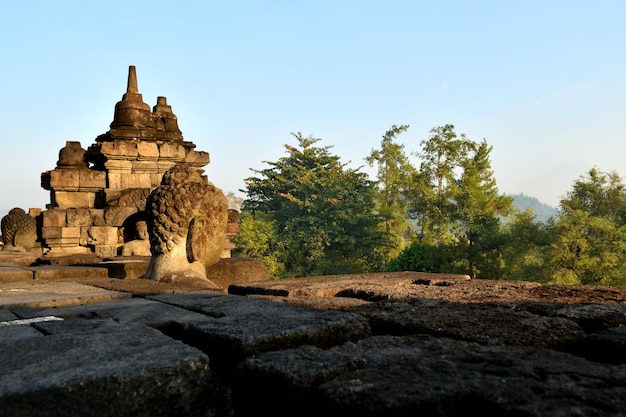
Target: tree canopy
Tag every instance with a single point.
(321, 212)
(590, 234)
(310, 214)
(393, 181)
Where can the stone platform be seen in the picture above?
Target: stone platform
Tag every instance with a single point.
(367, 345)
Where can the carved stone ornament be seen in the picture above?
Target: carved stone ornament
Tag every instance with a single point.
(19, 231)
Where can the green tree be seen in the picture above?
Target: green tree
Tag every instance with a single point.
(477, 207)
(527, 243)
(393, 180)
(456, 203)
(258, 239)
(590, 233)
(433, 193)
(323, 212)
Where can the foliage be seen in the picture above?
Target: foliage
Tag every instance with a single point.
(308, 214)
(258, 239)
(590, 234)
(322, 212)
(477, 208)
(393, 180)
(456, 204)
(426, 257)
(526, 244)
(434, 193)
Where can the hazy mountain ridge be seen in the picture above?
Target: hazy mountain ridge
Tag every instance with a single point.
(542, 211)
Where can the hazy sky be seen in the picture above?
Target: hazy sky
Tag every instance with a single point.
(543, 82)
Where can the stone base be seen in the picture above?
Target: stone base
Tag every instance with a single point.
(235, 271)
(17, 258)
(126, 267)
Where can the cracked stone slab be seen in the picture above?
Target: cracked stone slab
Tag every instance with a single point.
(116, 315)
(14, 273)
(54, 272)
(425, 375)
(11, 330)
(236, 327)
(488, 323)
(125, 373)
(32, 294)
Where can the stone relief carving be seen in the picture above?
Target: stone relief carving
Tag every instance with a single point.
(129, 202)
(140, 246)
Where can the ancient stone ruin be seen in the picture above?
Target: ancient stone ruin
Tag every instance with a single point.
(98, 195)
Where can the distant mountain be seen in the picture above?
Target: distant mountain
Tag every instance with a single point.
(542, 211)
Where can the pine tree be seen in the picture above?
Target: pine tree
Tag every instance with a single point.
(323, 212)
(393, 180)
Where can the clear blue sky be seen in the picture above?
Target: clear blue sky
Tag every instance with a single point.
(544, 82)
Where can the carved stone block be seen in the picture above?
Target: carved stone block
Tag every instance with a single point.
(135, 181)
(62, 242)
(232, 229)
(103, 235)
(119, 149)
(165, 166)
(70, 232)
(171, 151)
(114, 180)
(51, 232)
(65, 179)
(84, 238)
(118, 165)
(197, 159)
(155, 180)
(92, 180)
(147, 151)
(68, 199)
(78, 217)
(54, 218)
(97, 217)
(145, 167)
(105, 251)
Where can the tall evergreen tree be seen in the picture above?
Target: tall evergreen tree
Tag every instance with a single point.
(526, 248)
(455, 200)
(433, 194)
(323, 212)
(478, 205)
(590, 233)
(393, 180)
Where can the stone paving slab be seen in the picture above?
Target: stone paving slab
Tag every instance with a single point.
(91, 348)
(110, 316)
(11, 330)
(123, 268)
(236, 327)
(30, 294)
(19, 259)
(116, 373)
(424, 375)
(266, 357)
(50, 272)
(14, 273)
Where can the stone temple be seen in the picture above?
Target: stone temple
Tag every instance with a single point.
(98, 194)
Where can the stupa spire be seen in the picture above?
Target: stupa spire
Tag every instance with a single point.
(131, 86)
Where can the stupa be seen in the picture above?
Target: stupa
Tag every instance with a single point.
(98, 194)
